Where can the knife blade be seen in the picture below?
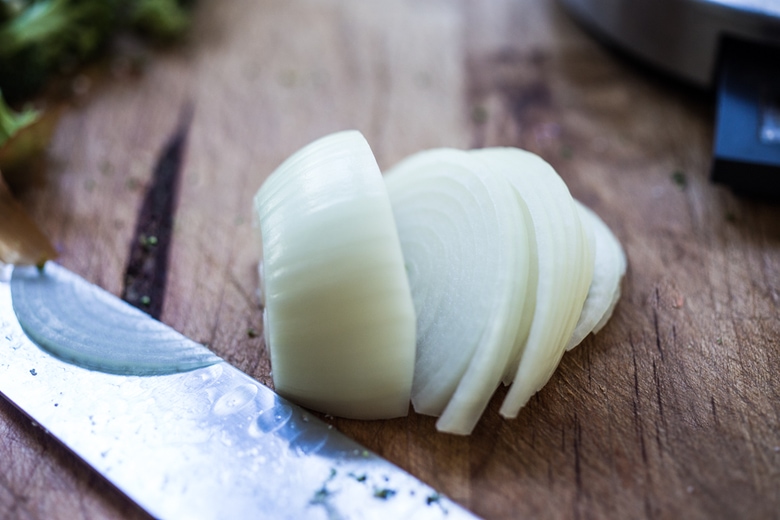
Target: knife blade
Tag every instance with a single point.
(207, 443)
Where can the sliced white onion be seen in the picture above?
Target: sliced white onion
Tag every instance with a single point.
(464, 241)
(564, 268)
(487, 248)
(339, 319)
(609, 268)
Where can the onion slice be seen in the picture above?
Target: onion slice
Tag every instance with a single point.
(609, 268)
(465, 245)
(564, 268)
(339, 319)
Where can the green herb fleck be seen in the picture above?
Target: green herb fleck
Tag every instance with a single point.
(366, 454)
(132, 183)
(252, 332)
(320, 496)
(680, 179)
(145, 301)
(479, 114)
(384, 493)
(148, 241)
(106, 168)
(359, 478)
(433, 498)
(719, 341)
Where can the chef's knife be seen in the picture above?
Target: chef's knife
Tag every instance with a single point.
(204, 443)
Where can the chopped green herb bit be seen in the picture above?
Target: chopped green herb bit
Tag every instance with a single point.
(359, 478)
(145, 300)
(252, 332)
(366, 453)
(384, 493)
(320, 496)
(106, 168)
(479, 114)
(148, 241)
(680, 179)
(433, 498)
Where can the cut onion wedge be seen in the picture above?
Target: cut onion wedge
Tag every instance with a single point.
(339, 319)
(464, 241)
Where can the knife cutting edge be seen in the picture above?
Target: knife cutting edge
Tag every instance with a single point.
(207, 442)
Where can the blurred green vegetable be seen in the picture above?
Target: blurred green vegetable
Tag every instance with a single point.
(42, 37)
(11, 122)
(161, 18)
(23, 135)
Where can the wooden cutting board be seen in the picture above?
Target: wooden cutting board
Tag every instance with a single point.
(670, 412)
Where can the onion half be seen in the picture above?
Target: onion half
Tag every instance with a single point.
(339, 319)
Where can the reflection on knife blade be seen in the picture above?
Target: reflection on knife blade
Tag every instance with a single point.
(87, 326)
(208, 443)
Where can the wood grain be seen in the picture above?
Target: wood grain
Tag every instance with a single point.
(670, 412)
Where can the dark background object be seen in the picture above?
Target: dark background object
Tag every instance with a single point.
(729, 45)
(747, 137)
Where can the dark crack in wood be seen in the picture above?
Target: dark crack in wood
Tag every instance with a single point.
(147, 268)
